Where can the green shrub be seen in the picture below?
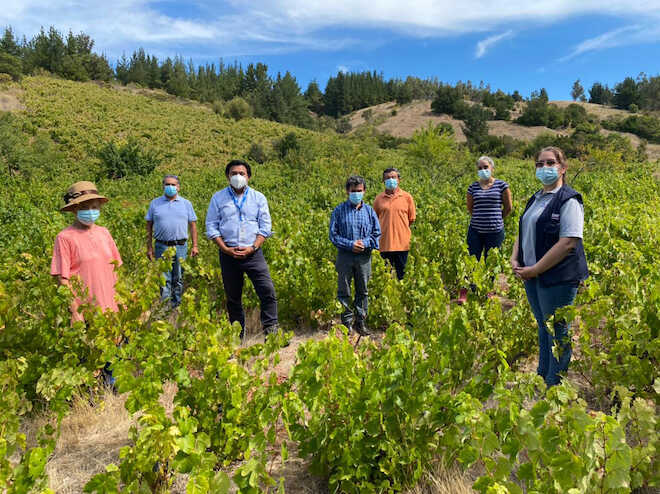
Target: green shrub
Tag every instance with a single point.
(393, 112)
(219, 107)
(645, 126)
(11, 65)
(288, 143)
(238, 108)
(368, 114)
(257, 153)
(127, 159)
(388, 141)
(344, 125)
(633, 108)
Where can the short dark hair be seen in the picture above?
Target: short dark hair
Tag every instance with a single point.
(175, 177)
(355, 180)
(388, 170)
(234, 163)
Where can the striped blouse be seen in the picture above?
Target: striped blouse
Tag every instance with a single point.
(487, 206)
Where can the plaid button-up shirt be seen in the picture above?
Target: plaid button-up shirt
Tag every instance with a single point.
(349, 223)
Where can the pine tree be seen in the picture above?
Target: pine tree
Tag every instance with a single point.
(577, 92)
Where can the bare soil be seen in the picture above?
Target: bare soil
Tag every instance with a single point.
(9, 100)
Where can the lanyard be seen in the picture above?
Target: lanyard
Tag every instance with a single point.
(239, 206)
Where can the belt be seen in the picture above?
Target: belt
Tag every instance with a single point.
(170, 243)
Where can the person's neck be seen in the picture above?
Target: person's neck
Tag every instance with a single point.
(553, 186)
(391, 192)
(82, 226)
(488, 181)
(238, 192)
(172, 198)
(356, 206)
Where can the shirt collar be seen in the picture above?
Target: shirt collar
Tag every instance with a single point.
(233, 194)
(168, 199)
(358, 207)
(541, 192)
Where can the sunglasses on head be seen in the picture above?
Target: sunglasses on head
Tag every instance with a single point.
(550, 162)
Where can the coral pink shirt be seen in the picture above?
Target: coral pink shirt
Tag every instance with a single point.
(87, 253)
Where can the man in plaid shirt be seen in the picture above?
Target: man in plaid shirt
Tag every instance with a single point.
(355, 231)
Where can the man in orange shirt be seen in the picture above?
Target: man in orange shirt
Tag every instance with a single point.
(396, 212)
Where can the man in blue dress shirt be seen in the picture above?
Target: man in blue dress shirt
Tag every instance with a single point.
(355, 231)
(238, 221)
(168, 219)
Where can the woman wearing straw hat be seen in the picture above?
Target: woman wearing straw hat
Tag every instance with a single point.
(86, 250)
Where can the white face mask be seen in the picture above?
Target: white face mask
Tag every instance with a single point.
(238, 181)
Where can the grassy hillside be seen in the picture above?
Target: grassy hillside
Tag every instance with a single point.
(404, 120)
(440, 385)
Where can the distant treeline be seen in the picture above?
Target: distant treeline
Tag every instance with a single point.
(239, 91)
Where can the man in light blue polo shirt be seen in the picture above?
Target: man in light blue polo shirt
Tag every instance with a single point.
(168, 219)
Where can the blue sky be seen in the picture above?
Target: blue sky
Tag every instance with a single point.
(510, 45)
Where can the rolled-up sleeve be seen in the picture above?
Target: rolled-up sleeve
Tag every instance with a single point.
(213, 219)
(263, 218)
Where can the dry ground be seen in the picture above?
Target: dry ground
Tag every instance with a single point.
(9, 100)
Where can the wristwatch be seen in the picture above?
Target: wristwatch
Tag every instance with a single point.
(254, 246)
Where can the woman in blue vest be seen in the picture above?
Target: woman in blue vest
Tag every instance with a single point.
(549, 256)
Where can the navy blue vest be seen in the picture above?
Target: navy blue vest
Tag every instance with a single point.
(571, 269)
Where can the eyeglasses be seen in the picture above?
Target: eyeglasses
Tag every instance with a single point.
(550, 162)
(483, 167)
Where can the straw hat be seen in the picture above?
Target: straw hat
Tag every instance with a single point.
(81, 192)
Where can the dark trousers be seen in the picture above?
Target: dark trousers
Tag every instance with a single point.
(398, 259)
(355, 268)
(479, 243)
(257, 270)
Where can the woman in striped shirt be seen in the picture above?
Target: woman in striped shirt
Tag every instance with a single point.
(489, 202)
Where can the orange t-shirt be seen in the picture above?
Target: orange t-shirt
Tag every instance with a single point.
(87, 253)
(395, 213)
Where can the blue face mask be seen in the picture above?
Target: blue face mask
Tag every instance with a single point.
(88, 216)
(548, 175)
(484, 174)
(170, 190)
(391, 183)
(355, 197)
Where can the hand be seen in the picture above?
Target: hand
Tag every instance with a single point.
(526, 273)
(514, 264)
(194, 251)
(358, 246)
(150, 253)
(242, 252)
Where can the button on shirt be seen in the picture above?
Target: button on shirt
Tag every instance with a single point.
(348, 224)
(395, 212)
(170, 218)
(571, 222)
(238, 219)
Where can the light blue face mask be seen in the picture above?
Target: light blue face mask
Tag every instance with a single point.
(548, 175)
(355, 197)
(484, 174)
(170, 190)
(88, 216)
(391, 183)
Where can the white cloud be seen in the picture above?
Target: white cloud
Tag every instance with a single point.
(486, 44)
(343, 68)
(239, 27)
(627, 35)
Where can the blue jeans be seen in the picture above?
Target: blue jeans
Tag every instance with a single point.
(544, 301)
(357, 268)
(479, 243)
(173, 288)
